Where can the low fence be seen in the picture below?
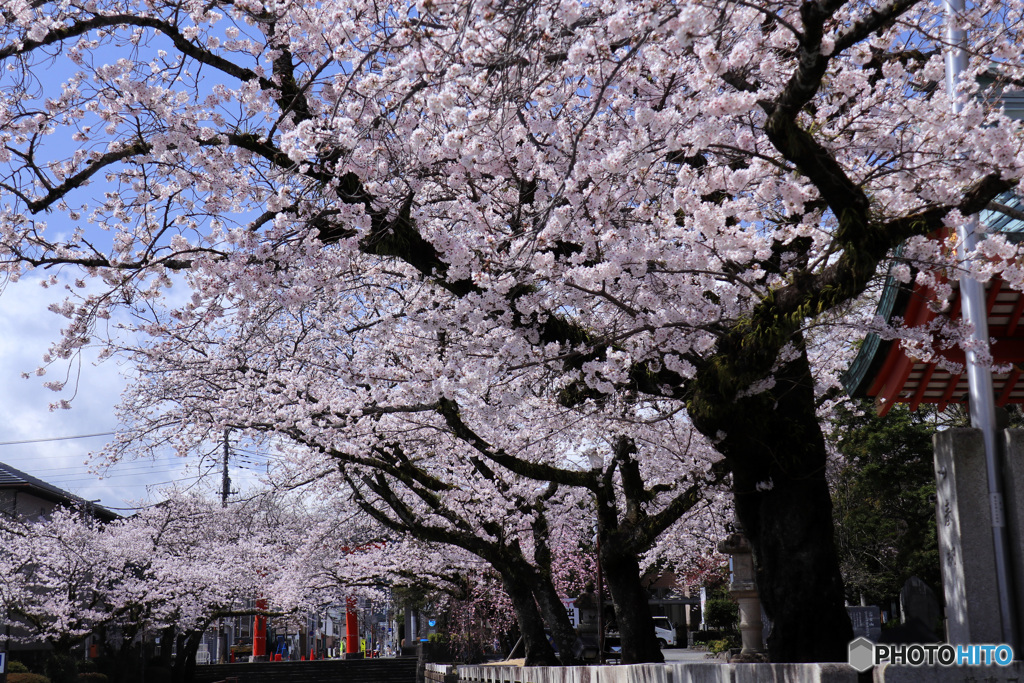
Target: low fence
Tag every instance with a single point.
(441, 673)
(720, 672)
(682, 672)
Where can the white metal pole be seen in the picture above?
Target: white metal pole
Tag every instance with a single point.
(979, 376)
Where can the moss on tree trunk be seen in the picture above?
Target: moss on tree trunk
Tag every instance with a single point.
(776, 451)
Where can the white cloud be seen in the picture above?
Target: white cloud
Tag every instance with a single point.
(26, 330)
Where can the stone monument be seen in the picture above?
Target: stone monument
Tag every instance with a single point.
(964, 518)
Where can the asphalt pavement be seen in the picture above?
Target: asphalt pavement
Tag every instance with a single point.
(682, 654)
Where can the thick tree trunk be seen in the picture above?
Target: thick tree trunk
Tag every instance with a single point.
(61, 666)
(128, 658)
(184, 670)
(544, 590)
(774, 445)
(520, 591)
(790, 530)
(630, 600)
(557, 620)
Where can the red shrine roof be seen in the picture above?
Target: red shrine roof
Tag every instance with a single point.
(885, 371)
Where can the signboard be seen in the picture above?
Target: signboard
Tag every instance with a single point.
(866, 621)
(572, 610)
(3, 663)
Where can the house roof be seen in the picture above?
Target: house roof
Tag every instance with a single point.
(13, 478)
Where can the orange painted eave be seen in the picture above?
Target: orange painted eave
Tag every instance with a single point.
(904, 379)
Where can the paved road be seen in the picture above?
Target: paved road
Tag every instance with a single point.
(682, 654)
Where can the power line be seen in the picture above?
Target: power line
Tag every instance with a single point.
(70, 478)
(176, 481)
(83, 469)
(129, 464)
(55, 438)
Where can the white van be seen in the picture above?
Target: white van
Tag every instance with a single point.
(665, 632)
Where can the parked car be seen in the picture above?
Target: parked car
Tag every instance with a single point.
(665, 631)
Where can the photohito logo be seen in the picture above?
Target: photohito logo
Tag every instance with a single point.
(864, 654)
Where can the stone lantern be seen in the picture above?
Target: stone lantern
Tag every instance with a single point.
(743, 589)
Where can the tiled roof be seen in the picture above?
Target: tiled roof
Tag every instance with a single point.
(11, 477)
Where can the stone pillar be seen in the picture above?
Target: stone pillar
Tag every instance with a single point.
(744, 590)
(1013, 494)
(964, 519)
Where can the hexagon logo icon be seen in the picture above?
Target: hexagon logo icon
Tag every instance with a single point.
(862, 654)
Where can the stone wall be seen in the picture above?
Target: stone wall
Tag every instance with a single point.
(376, 670)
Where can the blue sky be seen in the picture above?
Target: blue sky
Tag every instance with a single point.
(26, 329)
(35, 439)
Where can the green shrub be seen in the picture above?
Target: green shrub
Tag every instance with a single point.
(16, 667)
(92, 677)
(721, 613)
(704, 637)
(716, 646)
(27, 678)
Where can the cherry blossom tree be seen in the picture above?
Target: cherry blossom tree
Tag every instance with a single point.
(461, 503)
(579, 210)
(414, 574)
(203, 562)
(54, 570)
(398, 445)
(411, 458)
(175, 568)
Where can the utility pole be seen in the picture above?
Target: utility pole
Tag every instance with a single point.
(225, 487)
(225, 491)
(979, 374)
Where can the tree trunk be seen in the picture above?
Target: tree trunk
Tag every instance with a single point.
(557, 620)
(127, 659)
(538, 650)
(774, 446)
(790, 530)
(550, 603)
(61, 666)
(167, 637)
(185, 663)
(630, 601)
